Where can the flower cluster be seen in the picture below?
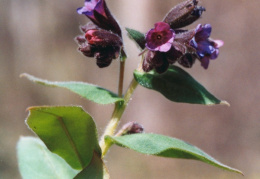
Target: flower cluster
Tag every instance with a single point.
(166, 43)
(102, 37)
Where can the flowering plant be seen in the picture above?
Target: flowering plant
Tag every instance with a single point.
(70, 132)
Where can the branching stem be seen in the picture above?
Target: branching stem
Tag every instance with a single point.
(116, 116)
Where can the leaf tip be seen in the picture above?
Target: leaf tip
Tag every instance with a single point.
(23, 75)
(224, 103)
(30, 108)
(239, 172)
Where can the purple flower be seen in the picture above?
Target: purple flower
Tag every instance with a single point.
(98, 12)
(160, 38)
(206, 48)
(166, 46)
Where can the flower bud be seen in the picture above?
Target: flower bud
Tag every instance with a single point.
(130, 128)
(147, 63)
(87, 27)
(103, 59)
(87, 50)
(103, 38)
(80, 39)
(184, 14)
(101, 44)
(155, 60)
(187, 60)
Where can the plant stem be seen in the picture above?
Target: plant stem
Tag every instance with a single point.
(121, 78)
(121, 72)
(116, 116)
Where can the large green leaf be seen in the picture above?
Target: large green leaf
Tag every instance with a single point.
(154, 144)
(36, 161)
(67, 131)
(91, 92)
(95, 170)
(177, 85)
(137, 36)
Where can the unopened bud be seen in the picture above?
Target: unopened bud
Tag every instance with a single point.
(130, 128)
(80, 39)
(103, 59)
(103, 38)
(101, 44)
(87, 27)
(187, 60)
(184, 14)
(87, 50)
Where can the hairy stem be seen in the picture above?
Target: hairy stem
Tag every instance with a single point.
(116, 116)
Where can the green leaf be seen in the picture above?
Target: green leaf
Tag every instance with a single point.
(123, 55)
(91, 92)
(137, 36)
(36, 161)
(95, 170)
(177, 85)
(67, 131)
(163, 146)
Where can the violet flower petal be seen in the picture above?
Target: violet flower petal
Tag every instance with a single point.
(203, 32)
(205, 62)
(89, 6)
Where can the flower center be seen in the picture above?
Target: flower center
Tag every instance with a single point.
(159, 37)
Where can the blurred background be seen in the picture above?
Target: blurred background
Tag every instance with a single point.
(36, 37)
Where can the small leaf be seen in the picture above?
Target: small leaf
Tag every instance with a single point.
(91, 92)
(36, 161)
(137, 36)
(67, 131)
(123, 55)
(177, 85)
(95, 170)
(163, 146)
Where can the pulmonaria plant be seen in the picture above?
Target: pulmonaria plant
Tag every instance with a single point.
(71, 133)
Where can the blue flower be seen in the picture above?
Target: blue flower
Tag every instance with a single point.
(207, 49)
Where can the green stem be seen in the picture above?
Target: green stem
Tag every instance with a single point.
(121, 72)
(116, 116)
(121, 78)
